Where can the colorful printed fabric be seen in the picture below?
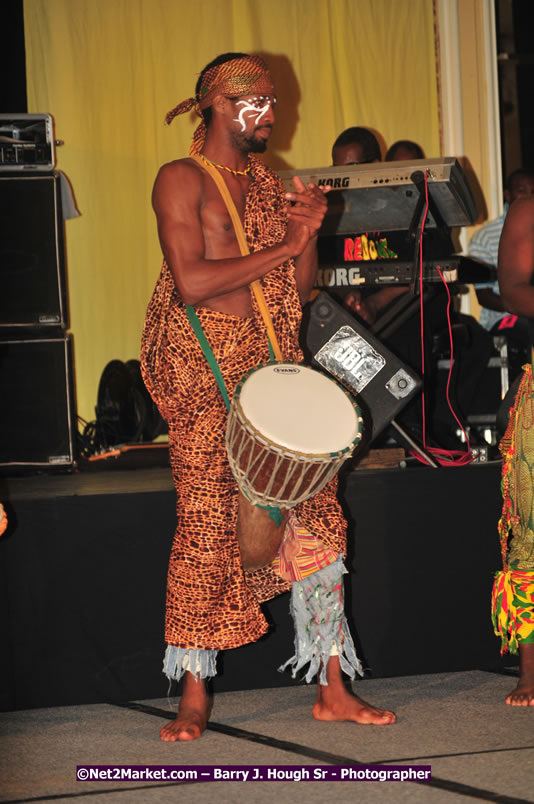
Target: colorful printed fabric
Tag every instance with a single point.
(211, 603)
(301, 553)
(321, 629)
(513, 589)
(512, 608)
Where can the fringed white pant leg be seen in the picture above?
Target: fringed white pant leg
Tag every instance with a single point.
(321, 629)
(177, 661)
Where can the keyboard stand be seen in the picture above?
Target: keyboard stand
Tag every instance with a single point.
(413, 444)
(402, 308)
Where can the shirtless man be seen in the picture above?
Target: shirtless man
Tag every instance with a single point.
(513, 594)
(212, 604)
(484, 245)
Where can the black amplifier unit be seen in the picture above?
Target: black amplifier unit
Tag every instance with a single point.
(336, 342)
(37, 410)
(27, 143)
(32, 266)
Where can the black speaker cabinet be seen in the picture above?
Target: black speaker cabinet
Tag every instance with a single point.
(37, 419)
(32, 269)
(334, 340)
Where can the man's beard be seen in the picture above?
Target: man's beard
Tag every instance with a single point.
(249, 144)
(256, 146)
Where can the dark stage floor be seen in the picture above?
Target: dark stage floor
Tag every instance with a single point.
(478, 748)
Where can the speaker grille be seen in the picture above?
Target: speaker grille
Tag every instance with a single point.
(31, 253)
(36, 403)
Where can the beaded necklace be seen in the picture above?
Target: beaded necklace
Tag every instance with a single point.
(223, 167)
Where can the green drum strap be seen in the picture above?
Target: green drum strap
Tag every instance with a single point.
(274, 513)
(208, 352)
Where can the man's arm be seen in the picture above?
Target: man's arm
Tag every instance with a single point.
(177, 200)
(309, 210)
(516, 258)
(487, 298)
(200, 274)
(484, 247)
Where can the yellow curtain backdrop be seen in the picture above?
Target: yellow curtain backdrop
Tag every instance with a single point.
(109, 70)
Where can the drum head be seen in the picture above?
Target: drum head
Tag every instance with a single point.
(299, 408)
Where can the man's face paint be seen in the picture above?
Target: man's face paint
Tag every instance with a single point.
(253, 109)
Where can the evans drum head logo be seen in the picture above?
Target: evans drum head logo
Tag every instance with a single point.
(287, 370)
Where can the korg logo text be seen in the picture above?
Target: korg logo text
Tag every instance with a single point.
(336, 182)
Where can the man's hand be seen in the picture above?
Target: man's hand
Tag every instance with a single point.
(305, 214)
(370, 307)
(365, 308)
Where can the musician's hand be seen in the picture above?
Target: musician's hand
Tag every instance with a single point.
(370, 307)
(365, 308)
(308, 205)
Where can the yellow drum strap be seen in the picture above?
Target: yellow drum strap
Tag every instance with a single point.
(242, 240)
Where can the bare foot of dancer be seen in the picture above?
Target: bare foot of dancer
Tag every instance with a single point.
(193, 712)
(523, 695)
(335, 702)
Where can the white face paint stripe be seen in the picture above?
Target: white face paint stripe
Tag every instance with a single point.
(252, 107)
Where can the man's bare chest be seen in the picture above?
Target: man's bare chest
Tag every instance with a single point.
(217, 225)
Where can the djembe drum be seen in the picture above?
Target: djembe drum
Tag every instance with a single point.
(290, 429)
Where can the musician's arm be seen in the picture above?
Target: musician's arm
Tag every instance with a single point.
(516, 258)
(487, 297)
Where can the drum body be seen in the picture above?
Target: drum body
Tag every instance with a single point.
(290, 429)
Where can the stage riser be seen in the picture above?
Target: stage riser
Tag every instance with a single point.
(425, 551)
(83, 586)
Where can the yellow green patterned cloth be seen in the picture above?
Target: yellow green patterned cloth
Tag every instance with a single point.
(301, 553)
(513, 589)
(513, 609)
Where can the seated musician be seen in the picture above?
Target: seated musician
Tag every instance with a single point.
(369, 305)
(356, 146)
(484, 246)
(404, 151)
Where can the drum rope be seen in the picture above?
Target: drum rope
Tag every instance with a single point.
(249, 466)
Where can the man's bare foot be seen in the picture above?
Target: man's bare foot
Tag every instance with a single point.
(335, 702)
(523, 695)
(193, 713)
